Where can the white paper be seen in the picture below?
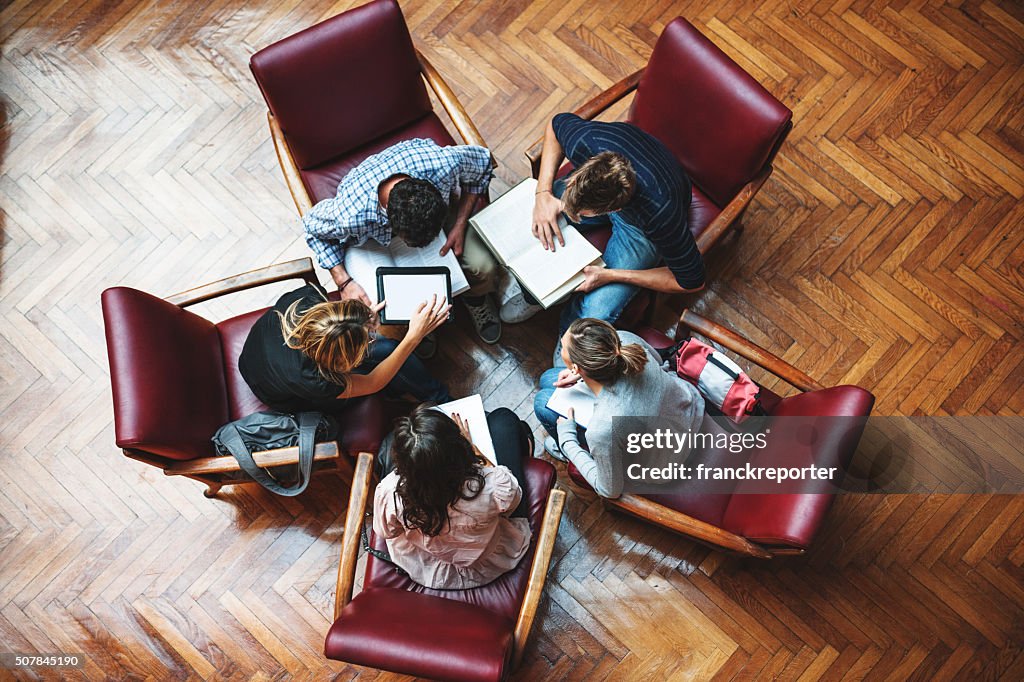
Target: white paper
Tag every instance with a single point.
(579, 397)
(362, 262)
(471, 409)
(405, 293)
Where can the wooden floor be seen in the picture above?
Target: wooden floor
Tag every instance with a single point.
(886, 250)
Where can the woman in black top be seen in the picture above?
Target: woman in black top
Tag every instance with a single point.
(308, 353)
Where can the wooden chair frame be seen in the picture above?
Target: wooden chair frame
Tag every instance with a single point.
(219, 471)
(350, 543)
(702, 531)
(732, 211)
(445, 95)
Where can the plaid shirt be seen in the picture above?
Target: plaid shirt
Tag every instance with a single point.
(355, 214)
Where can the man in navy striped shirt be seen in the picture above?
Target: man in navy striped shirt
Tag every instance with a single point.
(625, 176)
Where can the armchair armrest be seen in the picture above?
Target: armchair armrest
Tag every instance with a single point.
(205, 466)
(301, 268)
(288, 166)
(713, 232)
(589, 110)
(747, 349)
(452, 106)
(358, 496)
(538, 572)
(660, 515)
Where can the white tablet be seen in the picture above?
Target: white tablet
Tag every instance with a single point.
(404, 289)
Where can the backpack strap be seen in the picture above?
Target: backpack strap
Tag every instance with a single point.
(308, 422)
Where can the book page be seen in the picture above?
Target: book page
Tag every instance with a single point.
(361, 263)
(505, 224)
(545, 271)
(471, 409)
(578, 397)
(406, 256)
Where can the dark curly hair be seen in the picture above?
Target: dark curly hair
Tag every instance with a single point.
(436, 468)
(416, 211)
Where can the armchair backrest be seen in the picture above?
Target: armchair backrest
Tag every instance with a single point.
(721, 124)
(342, 83)
(167, 375)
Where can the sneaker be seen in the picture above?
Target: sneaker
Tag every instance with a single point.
(485, 318)
(428, 347)
(516, 309)
(551, 445)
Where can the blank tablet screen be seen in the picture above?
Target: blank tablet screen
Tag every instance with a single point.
(403, 293)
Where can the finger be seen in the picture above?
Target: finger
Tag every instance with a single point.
(571, 413)
(558, 231)
(422, 307)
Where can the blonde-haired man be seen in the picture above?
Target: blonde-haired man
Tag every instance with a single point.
(628, 178)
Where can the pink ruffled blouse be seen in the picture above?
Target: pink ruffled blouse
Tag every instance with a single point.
(480, 543)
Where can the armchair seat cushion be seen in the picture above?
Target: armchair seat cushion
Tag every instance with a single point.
(423, 635)
(504, 595)
(322, 181)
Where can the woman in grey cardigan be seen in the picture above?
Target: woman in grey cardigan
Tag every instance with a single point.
(625, 374)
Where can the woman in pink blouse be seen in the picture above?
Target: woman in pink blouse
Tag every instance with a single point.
(450, 518)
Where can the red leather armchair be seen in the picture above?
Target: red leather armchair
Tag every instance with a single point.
(744, 522)
(345, 89)
(175, 382)
(468, 635)
(721, 124)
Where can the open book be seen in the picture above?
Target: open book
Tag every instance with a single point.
(471, 409)
(362, 262)
(579, 397)
(505, 228)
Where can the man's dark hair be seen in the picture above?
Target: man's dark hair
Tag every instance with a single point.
(416, 211)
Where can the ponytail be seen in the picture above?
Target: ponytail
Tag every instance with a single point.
(594, 347)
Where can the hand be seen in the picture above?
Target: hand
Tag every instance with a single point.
(594, 276)
(456, 240)
(566, 378)
(463, 425)
(353, 290)
(546, 209)
(570, 416)
(428, 316)
(375, 314)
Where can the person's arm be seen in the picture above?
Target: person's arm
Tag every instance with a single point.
(569, 443)
(657, 279)
(475, 172)
(428, 317)
(547, 206)
(348, 287)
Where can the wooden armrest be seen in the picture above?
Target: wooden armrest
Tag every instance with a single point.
(747, 349)
(713, 232)
(300, 268)
(589, 110)
(456, 112)
(538, 572)
(353, 523)
(266, 458)
(658, 514)
(300, 196)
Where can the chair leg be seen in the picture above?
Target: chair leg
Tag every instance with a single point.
(212, 489)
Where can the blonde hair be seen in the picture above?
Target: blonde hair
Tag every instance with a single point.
(334, 334)
(595, 348)
(603, 184)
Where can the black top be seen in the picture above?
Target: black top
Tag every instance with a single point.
(284, 378)
(659, 205)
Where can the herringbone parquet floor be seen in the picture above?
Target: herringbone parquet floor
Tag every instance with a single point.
(886, 250)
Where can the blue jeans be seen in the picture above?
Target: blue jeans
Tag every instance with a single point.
(413, 377)
(628, 249)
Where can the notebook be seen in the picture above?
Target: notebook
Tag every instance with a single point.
(471, 409)
(505, 228)
(362, 262)
(579, 397)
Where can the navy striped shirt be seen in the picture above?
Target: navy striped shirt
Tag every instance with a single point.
(659, 205)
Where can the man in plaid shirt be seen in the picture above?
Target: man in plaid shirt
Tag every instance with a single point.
(411, 190)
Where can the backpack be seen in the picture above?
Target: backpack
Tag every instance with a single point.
(725, 386)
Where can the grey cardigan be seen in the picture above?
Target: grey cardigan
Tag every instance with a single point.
(653, 392)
